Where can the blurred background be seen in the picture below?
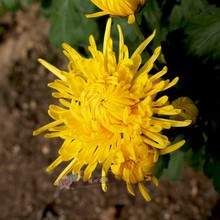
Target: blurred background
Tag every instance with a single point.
(189, 33)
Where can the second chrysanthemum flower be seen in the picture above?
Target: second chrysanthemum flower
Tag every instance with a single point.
(108, 114)
(120, 8)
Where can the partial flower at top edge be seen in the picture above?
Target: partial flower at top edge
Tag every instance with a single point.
(119, 8)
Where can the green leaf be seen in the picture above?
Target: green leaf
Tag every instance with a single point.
(162, 164)
(185, 11)
(11, 5)
(196, 159)
(46, 7)
(204, 33)
(152, 13)
(69, 24)
(212, 171)
(150, 19)
(176, 166)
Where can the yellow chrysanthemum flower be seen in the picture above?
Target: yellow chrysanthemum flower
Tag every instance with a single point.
(188, 109)
(108, 115)
(135, 164)
(120, 8)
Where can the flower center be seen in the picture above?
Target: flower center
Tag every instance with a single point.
(106, 104)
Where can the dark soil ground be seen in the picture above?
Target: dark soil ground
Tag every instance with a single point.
(26, 190)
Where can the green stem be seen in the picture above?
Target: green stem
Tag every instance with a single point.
(138, 31)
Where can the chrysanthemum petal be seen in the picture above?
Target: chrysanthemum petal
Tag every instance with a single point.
(53, 69)
(166, 110)
(161, 101)
(54, 164)
(155, 180)
(159, 74)
(88, 171)
(97, 14)
(107, 36)
(130, 189)
(172, 148)
(143, 45)
(103, 182)
(131, 19)
(151, 60)
(47, 126)
(144, 191)
(65, 171)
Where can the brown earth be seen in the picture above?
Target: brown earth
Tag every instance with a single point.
(26, 190)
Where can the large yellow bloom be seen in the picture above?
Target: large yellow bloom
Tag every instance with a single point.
(121, 8)
(107, 115)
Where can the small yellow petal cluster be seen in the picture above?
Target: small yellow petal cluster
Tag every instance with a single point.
(136, 166)
(188, 109)
(120, 8)
(108, 114)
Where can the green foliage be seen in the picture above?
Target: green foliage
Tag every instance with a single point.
(189, 32)
(196, 159)
(203, 34)
(191, 49)
(11, 5)
(212, 170)
(68, 22)
(175, 166)
(183, 13)
(46, 7)
(14, 5)
(162, 164)
(149, 18)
